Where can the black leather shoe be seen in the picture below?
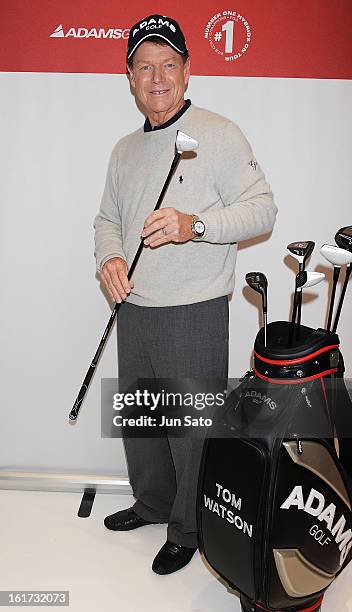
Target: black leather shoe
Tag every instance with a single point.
(172, 557)
(125, 520)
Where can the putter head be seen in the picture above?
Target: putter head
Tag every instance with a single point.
(335, 255)
(258, 282)
(185, 143)
(301, 250)
(343, 238)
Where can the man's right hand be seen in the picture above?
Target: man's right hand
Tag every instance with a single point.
(114, 277)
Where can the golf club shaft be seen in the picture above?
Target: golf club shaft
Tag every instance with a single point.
(299, 305)
(299, 312)
(89, 375)
(293, 320)
(342, 297)
(265, 315)
(332, 298)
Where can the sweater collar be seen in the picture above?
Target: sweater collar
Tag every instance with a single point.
(149, 128)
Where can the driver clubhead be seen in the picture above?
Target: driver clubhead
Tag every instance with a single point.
(185, 142)
(335, 255)
(343, 238)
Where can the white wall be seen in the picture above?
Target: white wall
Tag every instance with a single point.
(57, 134)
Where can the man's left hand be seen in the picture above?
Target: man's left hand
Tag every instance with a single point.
(167, 225)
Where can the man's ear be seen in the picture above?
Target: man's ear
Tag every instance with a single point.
(131, 78)
(187, 70)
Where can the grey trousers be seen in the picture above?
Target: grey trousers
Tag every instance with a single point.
(169, 342)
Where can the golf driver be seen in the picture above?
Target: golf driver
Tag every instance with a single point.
(259, 282)
(301, 251)
(183, 143)
(304, 280)
(343, 239)
(337, 257)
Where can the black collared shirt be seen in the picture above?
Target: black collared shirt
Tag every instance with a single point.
(149, 128)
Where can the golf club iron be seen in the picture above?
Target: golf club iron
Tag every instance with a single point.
(259, 282)
(183, 143)
(301, 251)
(343, 239)
(337, 257)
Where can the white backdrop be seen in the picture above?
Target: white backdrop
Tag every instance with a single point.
(57, 134)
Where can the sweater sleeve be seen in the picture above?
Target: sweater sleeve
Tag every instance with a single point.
(107, 223)
(248, 207)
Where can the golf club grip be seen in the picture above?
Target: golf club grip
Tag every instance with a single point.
(342, 297)
(88, 377)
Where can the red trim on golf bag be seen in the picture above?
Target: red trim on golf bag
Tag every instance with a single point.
(297, 380)
(315, 606)
(299, 359)
(310, 609)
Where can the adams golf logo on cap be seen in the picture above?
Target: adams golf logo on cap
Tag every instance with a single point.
(229, 35)
(153, 23)
(156, 25)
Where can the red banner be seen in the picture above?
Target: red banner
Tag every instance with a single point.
(268, 38)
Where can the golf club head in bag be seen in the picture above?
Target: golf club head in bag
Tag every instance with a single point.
(304, 279)
(338, 257)
(343, 239)
(274, 500)
(301, 251)
(258, 282)
(335, 255)
(313, 278)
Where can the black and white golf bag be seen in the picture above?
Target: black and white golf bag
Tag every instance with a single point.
(275, 486)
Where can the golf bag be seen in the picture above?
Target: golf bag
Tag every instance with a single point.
(275, 486)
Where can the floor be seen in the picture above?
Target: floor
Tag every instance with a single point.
(45, 546)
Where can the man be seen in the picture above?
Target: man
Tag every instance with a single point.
(174, 318)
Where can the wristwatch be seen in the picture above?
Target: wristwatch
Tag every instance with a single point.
(197, 227)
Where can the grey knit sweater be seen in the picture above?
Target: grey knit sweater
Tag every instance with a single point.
(221, 182)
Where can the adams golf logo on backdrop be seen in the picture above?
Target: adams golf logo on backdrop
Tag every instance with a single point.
(71, 32)
(229, 35)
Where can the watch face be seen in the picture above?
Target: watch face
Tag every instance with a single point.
(199, 227)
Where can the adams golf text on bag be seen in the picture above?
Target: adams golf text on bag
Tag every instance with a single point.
(275, 492)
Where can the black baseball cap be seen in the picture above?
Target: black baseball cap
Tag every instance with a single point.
(156, 25)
